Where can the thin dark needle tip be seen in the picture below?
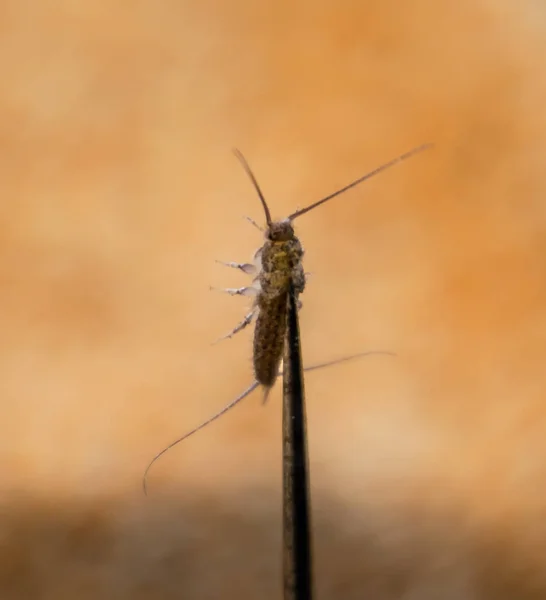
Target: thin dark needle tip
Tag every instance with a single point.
(297, 550)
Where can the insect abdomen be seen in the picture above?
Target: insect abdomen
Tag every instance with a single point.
(269, 338)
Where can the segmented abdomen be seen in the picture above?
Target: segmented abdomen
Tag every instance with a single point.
(269, 336)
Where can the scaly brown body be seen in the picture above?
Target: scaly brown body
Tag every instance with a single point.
(280, 261)
(269, 339)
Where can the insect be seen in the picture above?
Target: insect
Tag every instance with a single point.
(276, 264)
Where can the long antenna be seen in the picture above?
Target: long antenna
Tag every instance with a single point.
(249, 172)
(383, 167)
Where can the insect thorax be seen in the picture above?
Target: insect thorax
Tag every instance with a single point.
(281, 257)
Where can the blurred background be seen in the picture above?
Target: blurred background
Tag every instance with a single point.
(119, 190)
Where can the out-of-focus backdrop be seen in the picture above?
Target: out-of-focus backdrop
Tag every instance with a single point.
(118, 190)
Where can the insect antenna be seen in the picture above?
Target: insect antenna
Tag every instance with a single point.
(369, 175)
(249, 172)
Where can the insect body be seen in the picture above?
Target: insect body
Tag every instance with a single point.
(281, 263)
(277, 263)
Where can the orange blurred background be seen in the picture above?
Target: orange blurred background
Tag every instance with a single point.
(118, 192)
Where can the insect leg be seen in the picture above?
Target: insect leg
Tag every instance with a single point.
(298, 279)
(242, 291)
(246, 321)
(251, 220)
(244, 267)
